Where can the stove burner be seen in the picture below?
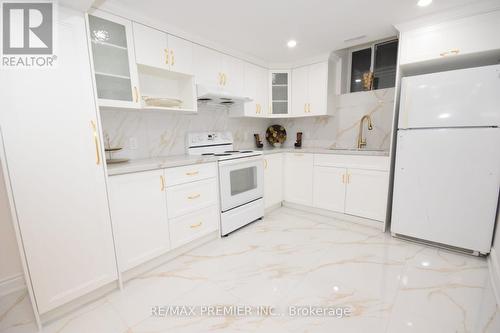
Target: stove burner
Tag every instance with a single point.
(222, 154)
(205, 154)
(232, 151)
(246, 151)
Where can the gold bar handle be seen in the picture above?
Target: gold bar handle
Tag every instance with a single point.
(136, 94)
(192, 173)
(162, 183)
(96, 141)
(194, 196)
(166, 56)
(192, 226)
(265, 164)
(172, 58)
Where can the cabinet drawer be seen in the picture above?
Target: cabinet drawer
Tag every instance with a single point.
(187, 198)
(190, 173)
(195, 225)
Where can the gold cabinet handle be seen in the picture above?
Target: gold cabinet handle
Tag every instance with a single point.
(194, 196)
(166, 56)
(192, 226)
(136, 94)
(454, 51)
(192, 173)
(96, 142)
(172, 59)
(265, 164)
(162, 183)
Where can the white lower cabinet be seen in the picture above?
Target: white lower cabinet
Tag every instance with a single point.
(139, 212)
(366, 193)
(273, 180)
(193, 225)
(186, 198)
(329, 188)
(298, 178)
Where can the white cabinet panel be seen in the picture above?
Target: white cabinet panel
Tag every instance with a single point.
(468, 35)
(190, 173)
(233, 74)
(256, 88)
(329, 188)
(139, 212)
(273, 180)
(318, 88)
(207, 66)
(298, 181)
(57, 180)
(195, 225)
(366, 193)
(181, 55)
(150, 46)
(186, 198)
(300, 93)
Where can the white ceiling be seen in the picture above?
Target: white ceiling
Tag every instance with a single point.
(261, 28)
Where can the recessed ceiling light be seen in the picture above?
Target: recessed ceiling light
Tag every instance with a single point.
(424, 3)
(291, 43)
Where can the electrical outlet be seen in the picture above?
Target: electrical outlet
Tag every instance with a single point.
(132, 143)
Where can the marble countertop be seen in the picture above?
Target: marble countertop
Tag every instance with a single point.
(339, 151)
(181, 160)
(157, 163)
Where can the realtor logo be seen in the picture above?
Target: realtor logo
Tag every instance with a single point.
(27, 29)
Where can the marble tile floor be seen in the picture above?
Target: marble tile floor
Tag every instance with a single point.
(294, 259)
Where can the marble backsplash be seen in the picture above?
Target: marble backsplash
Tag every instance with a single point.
(146, 134)
(340, 130)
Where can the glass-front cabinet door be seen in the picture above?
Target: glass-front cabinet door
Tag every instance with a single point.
(280, 92)
(114, 60)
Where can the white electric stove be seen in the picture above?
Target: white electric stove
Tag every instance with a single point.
(241, 178)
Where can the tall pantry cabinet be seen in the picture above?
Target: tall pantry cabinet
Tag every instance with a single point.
(54, 162)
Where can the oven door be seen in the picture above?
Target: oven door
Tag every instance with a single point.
(241, 181)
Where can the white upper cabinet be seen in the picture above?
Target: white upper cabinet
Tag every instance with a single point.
(139, 211)
(150, 46)
(298, 180)
(233, 70)
(114, 60)
(207, 66)
(181, 55)
(474, 34)
(310, 90)
(279, 93)
(158, 49)
(255, 87)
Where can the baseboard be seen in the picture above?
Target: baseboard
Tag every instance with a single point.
(12, 284)
(273, 207)
(341, 216)
(494, 268)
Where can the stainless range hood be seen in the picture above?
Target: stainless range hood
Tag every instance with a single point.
(217, 96)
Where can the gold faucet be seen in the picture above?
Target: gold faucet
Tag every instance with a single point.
(361, 141)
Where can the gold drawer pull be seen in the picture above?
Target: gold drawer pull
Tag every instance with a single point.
(194, 196)
(193, 173)
(96, 142)
(197, 225)
(162, 183)
(172, 59)
(265, 164)
(166, 56)
(454, 51)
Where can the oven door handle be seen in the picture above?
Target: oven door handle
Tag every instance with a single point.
(242, 160)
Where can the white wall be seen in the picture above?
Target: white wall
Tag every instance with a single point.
(10, 264)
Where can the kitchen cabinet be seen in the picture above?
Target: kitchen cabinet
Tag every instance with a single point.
(310, 90)
(55, 159)
(113, 56)
(217, 70)
(158, 49)
(366, 193)
(139, 213)
(279, 93)
(186, 198)
(256, 88)
(193, 225)
(329, 188)
(273, 180)
(298, 178)
(456, 38)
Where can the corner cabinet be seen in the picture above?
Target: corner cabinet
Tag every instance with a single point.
(114, 60)
(279, 93)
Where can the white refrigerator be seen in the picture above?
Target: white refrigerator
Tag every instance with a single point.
(447, 171)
